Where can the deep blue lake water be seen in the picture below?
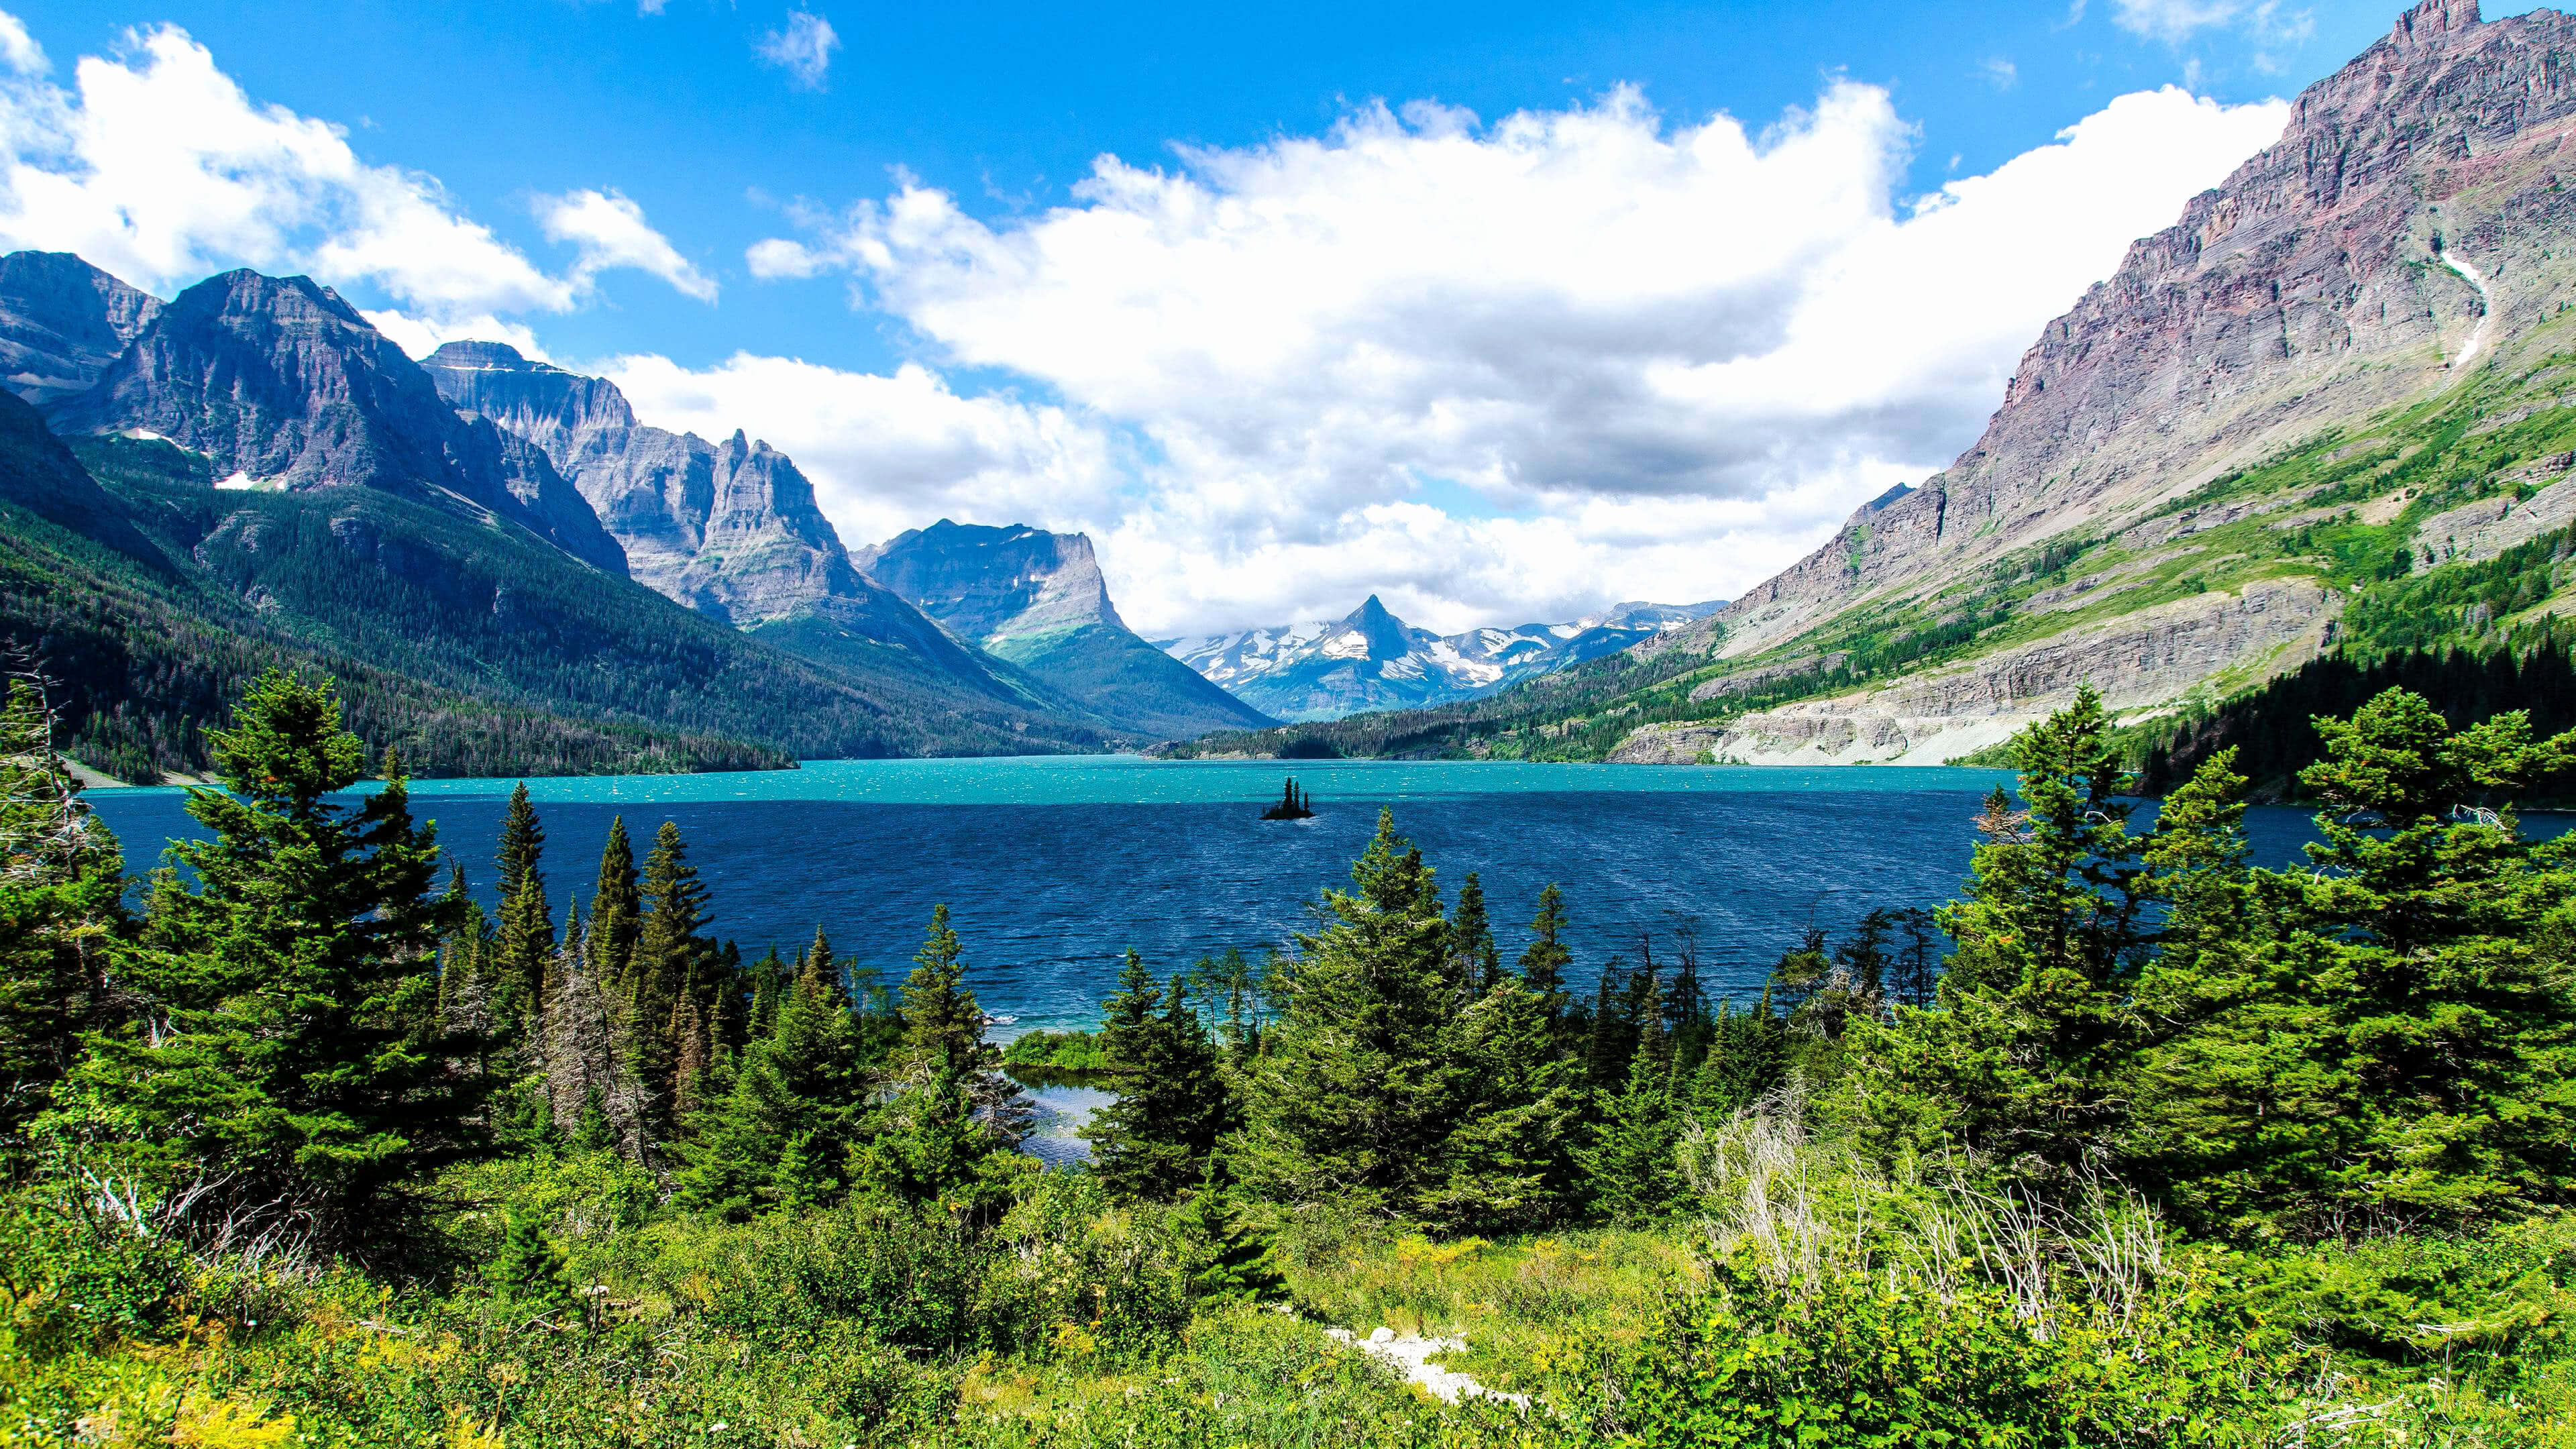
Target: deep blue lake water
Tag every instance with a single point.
(1053, 867)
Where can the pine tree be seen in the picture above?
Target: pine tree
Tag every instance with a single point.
(529, 1272)
(1747, 1060)
(1476, 963)
(1226, 1259)
(670, 963)
(1508, 1159)
(527, 926)
(2025, 1058)
(1543, 963)
(1614, 1027)
(1355, 1095)
(62, 910)
(294, 969)
(1633, 1161)
(939, 1139)
(1155, 1140)
(616, 906)
(786, 1133)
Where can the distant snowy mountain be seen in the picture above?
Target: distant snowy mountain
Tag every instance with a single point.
(1373, 660)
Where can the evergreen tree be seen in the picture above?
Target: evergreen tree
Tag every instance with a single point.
(2388, 1035)
(1614, 1027)
(1226, 1259)
(2025, 1057)
(786, 1133)
(1509, 1160)
(616, 906)
(527, 925)
(1155, 1140)
(1475, 961)
(1231, 985)
(670, 964)
(529, 1272)
(293, 969)
(1354, 1097)
(943, 1137)
(1633, 1160)
(1747, 1060)
(62, 910)
(1544, 962)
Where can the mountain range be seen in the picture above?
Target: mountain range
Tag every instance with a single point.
(2325, 410)
(1372, 660)
(504, 567)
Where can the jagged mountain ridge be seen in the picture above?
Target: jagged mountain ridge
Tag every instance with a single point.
(62, 321)
(1039, 600)
(284, 385)
(2406, 236)
(730, 529)
(1371, 660)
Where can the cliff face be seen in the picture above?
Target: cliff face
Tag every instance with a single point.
(2406, 210)
(62, 321)
(730, 529)
(1038, 600)
(2410, 227)
(284, 385)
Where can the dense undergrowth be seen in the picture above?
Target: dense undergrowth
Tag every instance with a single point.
(2163, 1149)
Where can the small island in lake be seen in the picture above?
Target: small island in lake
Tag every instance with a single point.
(1293, 804)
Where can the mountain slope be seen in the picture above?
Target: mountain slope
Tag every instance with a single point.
(730, 529)
(285, 386)
(62, 321)
(1038, 600)
(2343, 371)
(1371, 660)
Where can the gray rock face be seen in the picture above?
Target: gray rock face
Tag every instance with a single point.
(284, 385)
(2141, 660)
(2410, 220)
(1372, 660)
(730, 529)
(1038, 600)
(62, 321)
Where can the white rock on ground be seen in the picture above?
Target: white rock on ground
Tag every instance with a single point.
(1412, 1353)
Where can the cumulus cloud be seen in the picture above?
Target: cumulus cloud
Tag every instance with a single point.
(802, 47)
(610, 231)
(888, 453)
(2175, 21)
(421, 336)
(18, 49)
(156, 166)
(1511, 367)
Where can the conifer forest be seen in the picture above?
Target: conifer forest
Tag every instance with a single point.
(2133, 1142)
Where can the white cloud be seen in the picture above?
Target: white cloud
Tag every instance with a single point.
(1668, 358)
(2175, 21)
(891, 453)
(1999, 72)
(610, 231)
(803, 48)
(421, 336)
(156, 166)
(19, 49)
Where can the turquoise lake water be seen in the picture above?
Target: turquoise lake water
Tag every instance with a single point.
(1054, 866)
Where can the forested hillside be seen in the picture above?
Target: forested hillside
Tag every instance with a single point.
(154, 597)
(2133, 1143)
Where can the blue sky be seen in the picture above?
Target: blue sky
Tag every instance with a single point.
(1016, 335)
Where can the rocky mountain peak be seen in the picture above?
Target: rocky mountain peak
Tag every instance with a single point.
(545, 404)
(989, 584)
(2433, 19)
(1384, 635)
(62, 321)
(283, 384)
